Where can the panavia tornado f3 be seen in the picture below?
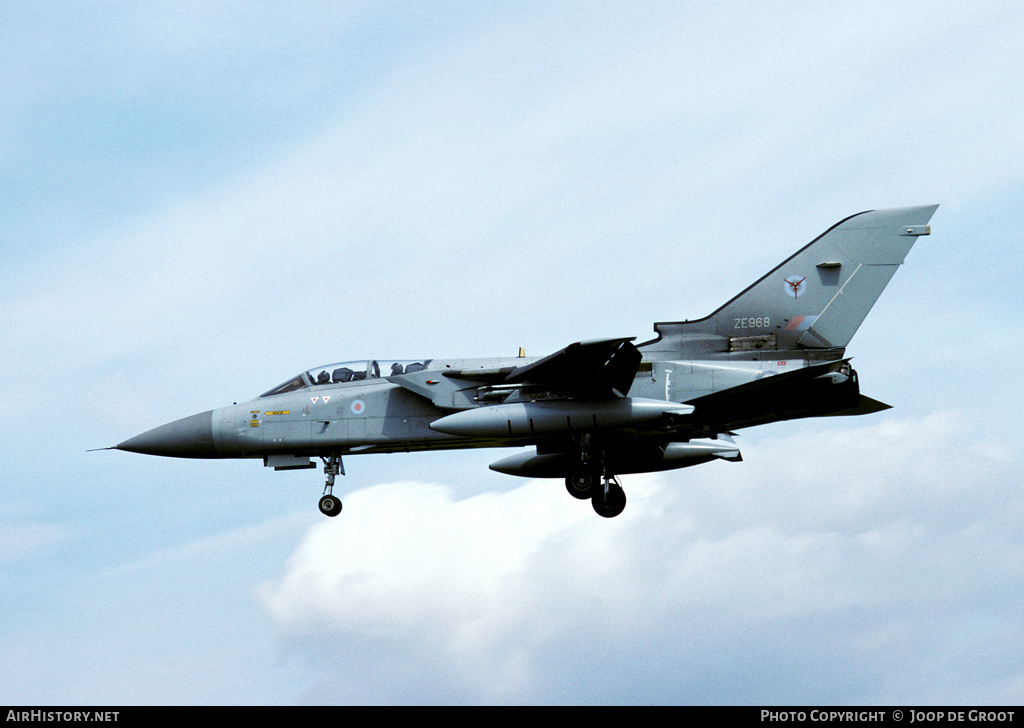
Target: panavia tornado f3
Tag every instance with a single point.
(596, 409)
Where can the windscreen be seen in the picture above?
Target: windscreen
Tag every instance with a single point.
(296, 382)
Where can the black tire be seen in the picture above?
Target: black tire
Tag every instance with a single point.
(330, 506)
(581, 484)
(611, 504)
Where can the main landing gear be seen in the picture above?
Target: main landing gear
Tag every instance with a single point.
(593, 481)
(330, 504)
(605, 493)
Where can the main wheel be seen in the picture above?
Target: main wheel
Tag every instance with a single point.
(581, 483)
(610, 504)
(330, 506)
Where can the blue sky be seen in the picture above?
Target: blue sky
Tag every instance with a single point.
(202, 199)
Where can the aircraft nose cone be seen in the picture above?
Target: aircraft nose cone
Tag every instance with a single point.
(189, 437)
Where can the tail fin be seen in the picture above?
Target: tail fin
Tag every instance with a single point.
(814, 300)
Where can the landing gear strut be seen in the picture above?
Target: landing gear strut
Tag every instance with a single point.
(581, 482)
(330, 505)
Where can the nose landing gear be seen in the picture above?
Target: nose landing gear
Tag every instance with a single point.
(330, 505)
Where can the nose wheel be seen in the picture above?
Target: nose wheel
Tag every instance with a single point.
(330, 505)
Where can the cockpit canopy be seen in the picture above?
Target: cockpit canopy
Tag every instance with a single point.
(349, 371)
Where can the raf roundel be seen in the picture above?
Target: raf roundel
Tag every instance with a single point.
(358, 407)
(795, 285)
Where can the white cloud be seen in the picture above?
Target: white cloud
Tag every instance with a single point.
(500, 591)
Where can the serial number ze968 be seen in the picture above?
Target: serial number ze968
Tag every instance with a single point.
(753, 322)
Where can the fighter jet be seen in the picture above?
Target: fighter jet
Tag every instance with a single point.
(596, 409)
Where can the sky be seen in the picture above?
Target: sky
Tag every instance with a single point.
(202, 199)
